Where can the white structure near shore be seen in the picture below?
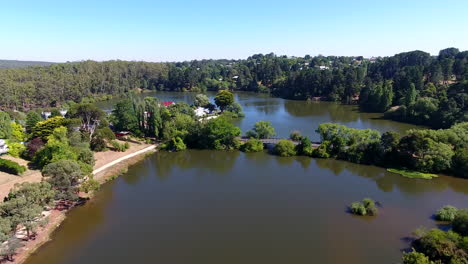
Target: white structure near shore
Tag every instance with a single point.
(3, 147)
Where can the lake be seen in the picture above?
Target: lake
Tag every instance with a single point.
(289, 115)
(211, 207)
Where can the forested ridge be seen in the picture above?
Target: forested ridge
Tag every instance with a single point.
(412, 86)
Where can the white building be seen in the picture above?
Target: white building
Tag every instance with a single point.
(3, 147)
(201, 112)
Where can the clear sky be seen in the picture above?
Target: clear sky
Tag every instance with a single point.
(174, 30)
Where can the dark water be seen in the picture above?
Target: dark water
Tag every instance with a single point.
(211, 207)
(289, 115)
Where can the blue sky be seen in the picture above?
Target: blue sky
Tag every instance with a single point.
(175, 30)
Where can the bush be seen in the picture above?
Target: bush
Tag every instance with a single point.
(90, 185)
(446, 213)
(175, 144)
(460, 222)
(295, 136)
(262, 129)
(366, 207)
(119, 147)
(358, 208)
(16, 149)
(11, 167)
(305, 147)
(17, 132)
(442, 247)
(33, 146)
(285, 148)
(252, 145)
(322, 150)
(415, 258)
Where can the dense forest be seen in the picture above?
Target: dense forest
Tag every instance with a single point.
(411, 87)
(10, 64)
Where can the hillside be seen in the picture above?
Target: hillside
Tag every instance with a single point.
(11, 64)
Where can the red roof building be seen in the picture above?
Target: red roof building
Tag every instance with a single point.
(166, 104)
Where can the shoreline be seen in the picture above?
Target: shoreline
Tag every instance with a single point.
(103, 174)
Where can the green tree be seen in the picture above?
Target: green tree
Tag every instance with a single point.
(411, 95)
(261, 130)
(89, 115)
(5, 125)
(64, 176)
(285, 148)
(5, 228)
(57, 148)
(305, 147)
(124, 116)
(32, 118)
(40, 193)
(446, 213)
(223, 99)
(415, 257)
(201, 100)
(252, 145)
(460, 163)
(11, 247)
(460, 222)
(220, 134)
(44, 128)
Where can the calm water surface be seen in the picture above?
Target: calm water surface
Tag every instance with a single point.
(289, 115)
(211, 207)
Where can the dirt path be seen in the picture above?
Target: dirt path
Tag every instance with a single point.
(107, 164)
(104, 160)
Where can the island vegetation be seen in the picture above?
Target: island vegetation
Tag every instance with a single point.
(366, 207)
(412, 86)
(439, 246)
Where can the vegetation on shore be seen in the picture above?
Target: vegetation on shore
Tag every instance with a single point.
(62, 148)
(411, 86)
(438, 246)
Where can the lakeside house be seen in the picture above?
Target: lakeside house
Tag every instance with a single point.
(3, 147)
(167, 103)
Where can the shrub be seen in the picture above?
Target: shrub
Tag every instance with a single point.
(119, 147)
(460, 163)
(370, 206)
(262, 129)
(460, 222)
(90, 185)
(366, 207)
(11, 167)
(33, 146)
(305, 147)
(415, 258)
(45, 128)
(358, 208)
(322, 150)
(446, 213)
(175, 144)
(441, 247)
(17, 132)
(252, 145)
(295, 135)
(285, 148)
(16, 149)
(98, 144)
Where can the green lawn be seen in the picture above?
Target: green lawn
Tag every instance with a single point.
(413, 174)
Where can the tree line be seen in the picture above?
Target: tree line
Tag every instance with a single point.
(412, 86)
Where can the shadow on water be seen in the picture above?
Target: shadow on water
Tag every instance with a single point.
(387, 181)
(204, 160)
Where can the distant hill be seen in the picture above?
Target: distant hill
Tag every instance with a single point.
(11, 64)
